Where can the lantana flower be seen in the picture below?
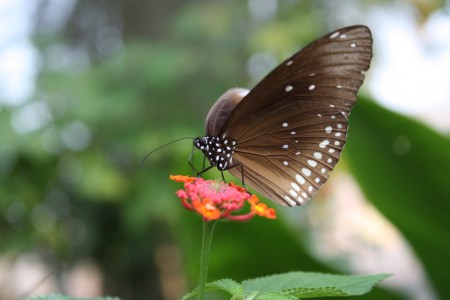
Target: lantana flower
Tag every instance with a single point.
(215, 200)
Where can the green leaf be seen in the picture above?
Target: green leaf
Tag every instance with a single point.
(62, 297)
(274, 296)
(227, 285)
(310, 285)
(403, 167)
(294, 285)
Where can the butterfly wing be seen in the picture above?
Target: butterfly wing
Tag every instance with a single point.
(221, 110)
(292, 126)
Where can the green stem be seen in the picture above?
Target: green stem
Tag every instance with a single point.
(208, 229)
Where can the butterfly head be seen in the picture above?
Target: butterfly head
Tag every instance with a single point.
(201, 143)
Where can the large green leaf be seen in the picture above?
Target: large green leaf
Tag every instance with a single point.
(313, 285)
(404, 169)
(295, 285)
(63, 297)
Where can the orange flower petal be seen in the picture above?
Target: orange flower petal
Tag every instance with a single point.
(253, 200)
(262, 210)
(207, 209)
(270, 213)
(259, 209)
(182, 178)
(239, 188)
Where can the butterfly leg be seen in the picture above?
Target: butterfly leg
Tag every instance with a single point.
(242, 175)
(194, 169)
(191, 164)
(199, 173)
(204, 170)
(242, 171)
(223, 177)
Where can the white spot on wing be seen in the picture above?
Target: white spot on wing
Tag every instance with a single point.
(300, 179)
(293, 193)
(334, 35)
(324, 143)
(285, 146)
(318, 155)
(311, 87)
(353, 45)
(285, 124)
(328, 129)
(289, 88)
(295, 186)
(289, 200)
(312, 163)
(285, 163)
(289, 63)
(306, 171)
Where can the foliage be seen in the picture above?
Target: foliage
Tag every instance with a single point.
(62, 297)
(402, 167)
(295, 285)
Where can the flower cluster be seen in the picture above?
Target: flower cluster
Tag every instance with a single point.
(215, 200)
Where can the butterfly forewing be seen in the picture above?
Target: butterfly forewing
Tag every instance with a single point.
(291, 128)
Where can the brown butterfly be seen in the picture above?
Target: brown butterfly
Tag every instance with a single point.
(284, 136)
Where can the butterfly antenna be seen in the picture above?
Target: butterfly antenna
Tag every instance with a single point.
(160, 147)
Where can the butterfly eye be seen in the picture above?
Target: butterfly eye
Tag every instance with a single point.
(198, 142)
(287, 133)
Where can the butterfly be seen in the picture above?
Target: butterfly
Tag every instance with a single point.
(284, 136)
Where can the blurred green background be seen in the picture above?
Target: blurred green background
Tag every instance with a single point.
(115, 79)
